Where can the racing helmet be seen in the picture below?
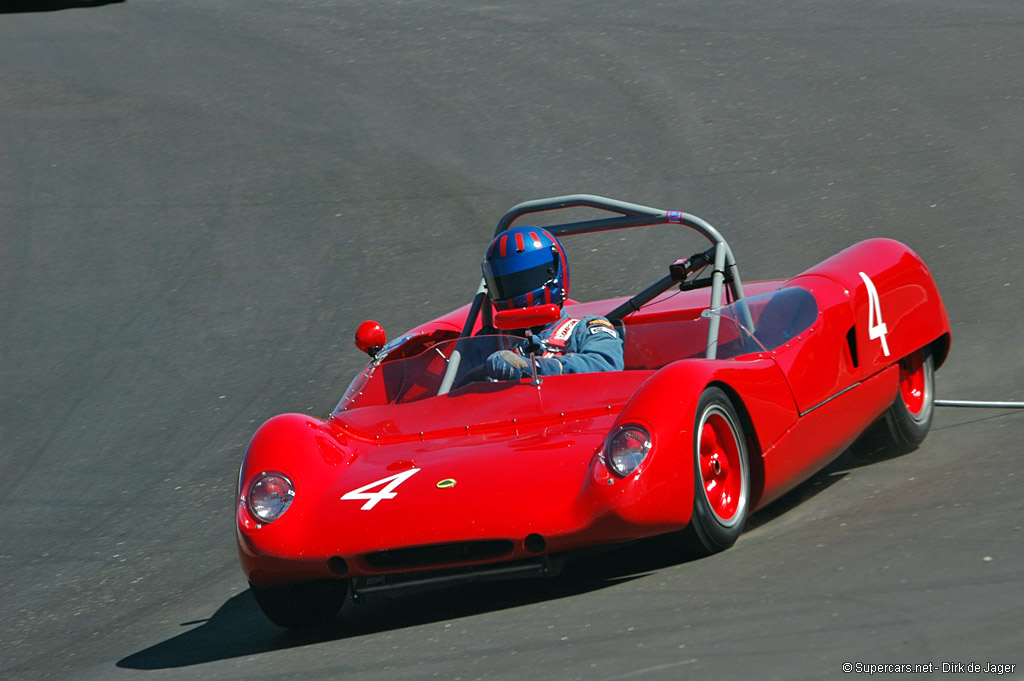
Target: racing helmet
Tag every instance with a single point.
(526, 266)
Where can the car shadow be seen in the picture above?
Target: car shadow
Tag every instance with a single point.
(835, 471)
(239, 629)
(819, 482)
(22, 6)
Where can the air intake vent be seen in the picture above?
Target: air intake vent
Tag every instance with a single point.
(439, 555)
(851, 342)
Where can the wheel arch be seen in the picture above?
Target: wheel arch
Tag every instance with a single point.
(940, 349)
(755, 460)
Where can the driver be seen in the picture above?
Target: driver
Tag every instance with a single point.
(526, 266)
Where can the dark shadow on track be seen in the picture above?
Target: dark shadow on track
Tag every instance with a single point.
(238, 628)
(818, 483)
(812, 487)
(21, 6)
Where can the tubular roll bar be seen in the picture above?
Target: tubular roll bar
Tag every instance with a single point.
(627, 215)
(635, 215)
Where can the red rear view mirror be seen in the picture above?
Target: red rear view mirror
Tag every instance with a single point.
(370, 337)
(526, 317)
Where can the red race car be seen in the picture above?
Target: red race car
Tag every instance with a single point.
(730, 396)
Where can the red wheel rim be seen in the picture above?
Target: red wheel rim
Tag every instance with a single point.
(912, 383)
(721, 466)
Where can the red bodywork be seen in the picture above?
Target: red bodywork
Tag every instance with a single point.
(510, 471)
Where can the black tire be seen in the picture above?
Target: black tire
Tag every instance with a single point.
(907, 421)
(306, 604)
(717, 519)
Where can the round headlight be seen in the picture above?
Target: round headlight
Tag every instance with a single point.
(626, 448)
(270, 495)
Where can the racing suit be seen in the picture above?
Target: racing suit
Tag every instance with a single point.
(567, 346)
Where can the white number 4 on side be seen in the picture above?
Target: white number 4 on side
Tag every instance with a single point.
(386, 492)
(876, 327)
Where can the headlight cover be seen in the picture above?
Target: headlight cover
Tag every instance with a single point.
(626, 448)
(270, 495)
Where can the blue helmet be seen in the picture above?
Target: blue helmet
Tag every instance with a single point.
(525, 266)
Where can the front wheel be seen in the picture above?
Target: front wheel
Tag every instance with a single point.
(907, 421)
(721, 494)
(301, 605)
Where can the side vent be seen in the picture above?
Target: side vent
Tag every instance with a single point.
(851, 341)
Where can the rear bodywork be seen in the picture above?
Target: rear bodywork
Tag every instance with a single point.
(403, 480)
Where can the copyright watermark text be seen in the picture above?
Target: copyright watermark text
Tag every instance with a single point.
(929, 668)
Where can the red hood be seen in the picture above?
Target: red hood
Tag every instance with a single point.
(485, 407)
(491, 461)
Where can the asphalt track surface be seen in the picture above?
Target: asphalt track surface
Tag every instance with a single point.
(199, 201)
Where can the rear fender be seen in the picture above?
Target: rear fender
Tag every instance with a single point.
(896, 304)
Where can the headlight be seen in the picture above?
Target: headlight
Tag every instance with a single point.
(270, 495)
(626, 448)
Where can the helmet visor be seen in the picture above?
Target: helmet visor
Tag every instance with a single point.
(514, 284)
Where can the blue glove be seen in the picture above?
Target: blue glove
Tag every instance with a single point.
(506, 365)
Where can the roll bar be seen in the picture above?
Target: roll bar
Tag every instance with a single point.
(625, 215)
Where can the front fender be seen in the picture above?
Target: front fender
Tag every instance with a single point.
(302, 448)
(660, 493)
(293, 444)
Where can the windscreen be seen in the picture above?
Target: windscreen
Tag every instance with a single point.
(419, 377)
(764, 322)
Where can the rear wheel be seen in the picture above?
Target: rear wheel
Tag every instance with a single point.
(906, 423)
(721, 493)
(301, 605)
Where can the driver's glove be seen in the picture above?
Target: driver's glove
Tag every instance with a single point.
(506, 365)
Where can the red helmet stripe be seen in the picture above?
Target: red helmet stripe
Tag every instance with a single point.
(520, 247)
(501, 245)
